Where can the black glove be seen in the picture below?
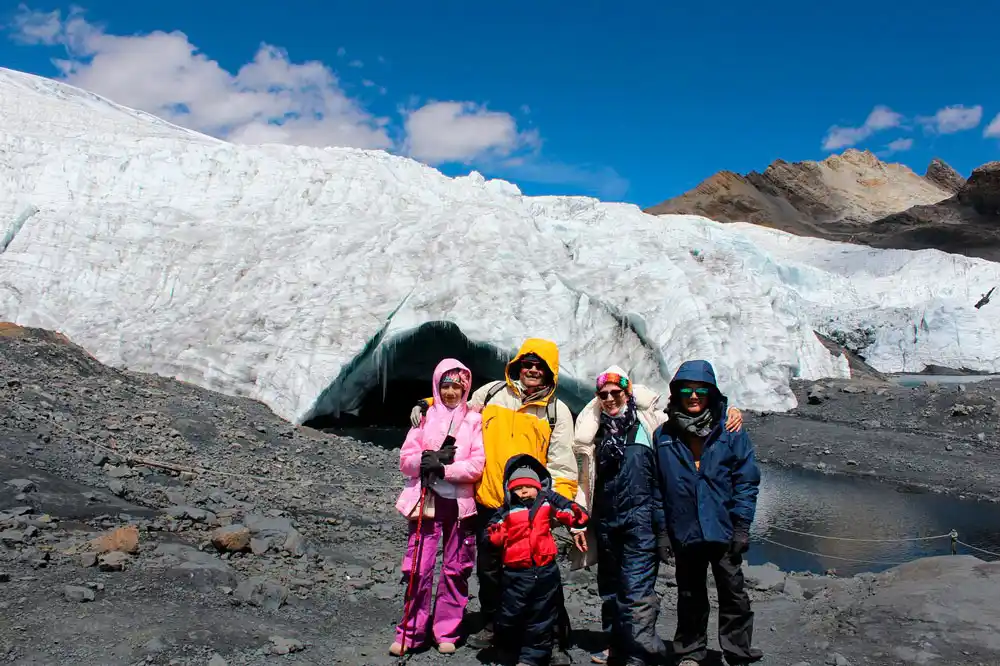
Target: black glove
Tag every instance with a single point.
(446, 454)
(741, 540)
(664, 549)
(431, 468)
(418, 412)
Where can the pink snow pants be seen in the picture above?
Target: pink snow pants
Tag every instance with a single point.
(453, 589)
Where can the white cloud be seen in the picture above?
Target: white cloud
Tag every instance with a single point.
(993, 129)
(274, 100)
(269, 99)
(36, 27)
(440, 132)
(357, 64)
(952, 119)
(881, 118)
(898, 146)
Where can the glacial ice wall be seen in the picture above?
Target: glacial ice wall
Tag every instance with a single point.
(265, 271)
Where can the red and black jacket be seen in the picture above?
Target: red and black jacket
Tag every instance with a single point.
(524, 531)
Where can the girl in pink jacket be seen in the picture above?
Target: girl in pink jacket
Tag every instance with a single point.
(445, 455)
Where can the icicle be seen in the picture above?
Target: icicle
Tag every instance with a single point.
(15, 227)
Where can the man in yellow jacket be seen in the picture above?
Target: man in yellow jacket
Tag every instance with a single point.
(521, 414)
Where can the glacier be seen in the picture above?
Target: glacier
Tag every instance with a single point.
(305, 277)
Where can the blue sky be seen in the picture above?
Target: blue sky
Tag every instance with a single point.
(625, 101)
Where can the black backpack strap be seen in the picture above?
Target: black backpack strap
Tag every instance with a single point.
(493, 391)
(633, 433)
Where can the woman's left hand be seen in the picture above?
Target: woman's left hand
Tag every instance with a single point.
(580, 539)
(734, 419)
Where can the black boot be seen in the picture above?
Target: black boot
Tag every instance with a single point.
(482, 640)
(560, 657)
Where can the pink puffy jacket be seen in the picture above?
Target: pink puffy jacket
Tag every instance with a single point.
(467, 429)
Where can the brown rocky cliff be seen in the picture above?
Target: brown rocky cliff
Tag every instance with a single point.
(853, 188)
(967, 223)
(855, 197)
(982, 190)
(942, 175)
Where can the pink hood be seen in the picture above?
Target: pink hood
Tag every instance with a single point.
(439, 418)
(467, 429)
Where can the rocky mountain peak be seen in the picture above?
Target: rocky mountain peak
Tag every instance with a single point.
(941, 174)
(852, 188)
(982, 190)
(857, 198)
(854, 157)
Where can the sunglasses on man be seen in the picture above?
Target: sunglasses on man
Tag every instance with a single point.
(700, 392)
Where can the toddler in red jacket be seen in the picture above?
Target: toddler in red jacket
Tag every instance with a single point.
(531, 582)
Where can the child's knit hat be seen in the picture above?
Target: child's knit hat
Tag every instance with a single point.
(457, 376)
(524, 476)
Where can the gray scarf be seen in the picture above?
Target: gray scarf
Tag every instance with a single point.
(529, 395)
(696, 424)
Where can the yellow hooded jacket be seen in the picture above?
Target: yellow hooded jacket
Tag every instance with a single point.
(512, 426)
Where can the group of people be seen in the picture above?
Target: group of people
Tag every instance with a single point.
(637, 482)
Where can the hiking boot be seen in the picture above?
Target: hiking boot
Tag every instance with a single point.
(483, 640)
(396, 649)
(446, 648)
(559, 658)
(755, 656)
(688, 662)
(600, 657)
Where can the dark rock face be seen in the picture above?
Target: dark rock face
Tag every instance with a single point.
(982, 191)
(967, 223)
(942, 175)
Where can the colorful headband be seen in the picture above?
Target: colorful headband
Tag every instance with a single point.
(614, 378)
(460, 377)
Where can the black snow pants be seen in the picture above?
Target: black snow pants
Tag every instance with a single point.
(489, 571)
(627, 565)
(735, 615)
(529, 609)
(489, 565)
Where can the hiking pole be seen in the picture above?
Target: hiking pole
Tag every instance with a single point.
(414, 565)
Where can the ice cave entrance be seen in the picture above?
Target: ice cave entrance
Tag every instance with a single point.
(380, 386)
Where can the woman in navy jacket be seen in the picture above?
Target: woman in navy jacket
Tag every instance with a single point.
(709, 481)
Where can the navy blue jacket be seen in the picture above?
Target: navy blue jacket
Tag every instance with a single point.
(627, 495)
(704, 505)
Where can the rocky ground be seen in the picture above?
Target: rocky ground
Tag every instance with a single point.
(147, 521)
